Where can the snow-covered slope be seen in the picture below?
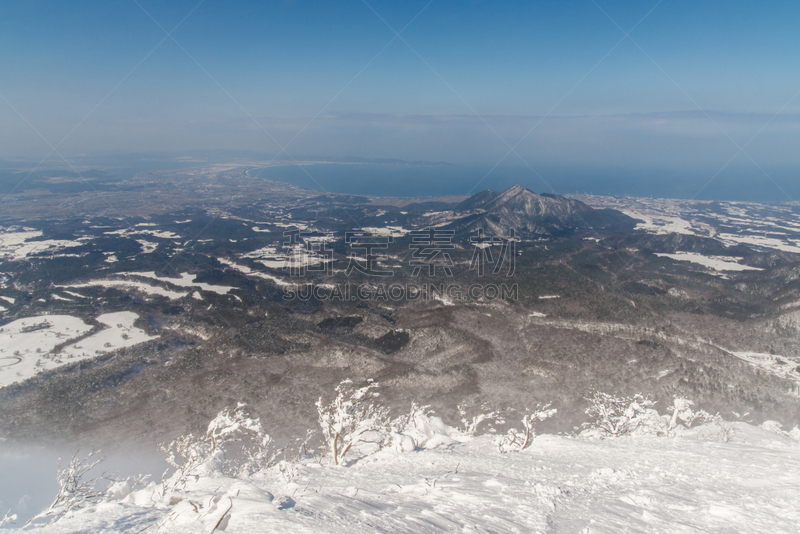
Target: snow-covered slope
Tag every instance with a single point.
(559, 484)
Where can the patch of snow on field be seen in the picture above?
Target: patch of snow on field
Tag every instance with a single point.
(268, 256)
(132, 285)
(25, 344)
(660, 224)
(777, 365)
(119, 333)
(15, 243)
(244, 269)
(393, 231)
(292, 225)
(185, 280)
(297, 257)
(717, 263)
(147, 246)
(155, 233)
(759, 241)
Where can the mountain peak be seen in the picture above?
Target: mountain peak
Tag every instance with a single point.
(516, 192)
(530, 213)
(516, 189)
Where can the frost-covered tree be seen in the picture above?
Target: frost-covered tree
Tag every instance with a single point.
(8, 519)
(519, 440)
(681, 413)
(351, 417)
(420, 428)
(231, 431)
(74, 490)
(469, 424)
(720, 429)
(617, 416)
(777, 428)
(681, 410)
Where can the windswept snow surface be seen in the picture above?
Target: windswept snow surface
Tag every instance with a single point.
(560, 484)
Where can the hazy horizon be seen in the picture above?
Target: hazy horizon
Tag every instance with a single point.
(400, 178)
(574, 92)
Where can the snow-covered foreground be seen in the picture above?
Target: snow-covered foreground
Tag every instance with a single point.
(559, 484)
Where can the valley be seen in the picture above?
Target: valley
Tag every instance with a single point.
(270, 295)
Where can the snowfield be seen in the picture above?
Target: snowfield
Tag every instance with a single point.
(716, 263)
(767, 226)
(559, 484)
(150, 287)
(118, 333)
(147, 289)
(27, 345)
(244, 269)
(185, 280)
(16, 244)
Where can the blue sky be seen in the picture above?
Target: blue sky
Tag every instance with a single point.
(698, 79)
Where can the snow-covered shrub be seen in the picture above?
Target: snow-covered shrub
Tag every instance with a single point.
(717, 428)
(231, 432)
(288, 470)
(352, 417)
(299, 446)
(519, 440)
(421, 428)
(416, 416)
(681, 414)
(681, 410)
(8, 519)
(776, 427)
(404, 428)
(469, 424)
(74, 493)
(618, 416)
(722, 430)
(242, 442)
(120, 488)
(772, 426)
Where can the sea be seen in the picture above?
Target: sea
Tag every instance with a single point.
(772, 185)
